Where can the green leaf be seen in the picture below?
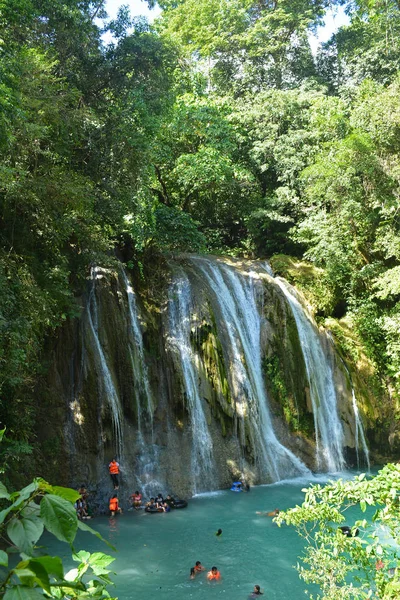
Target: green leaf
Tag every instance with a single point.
(66, 493)
(24, 494)
(99, 561)
(4, 513)
(40, 575)
(25, 532)
(22, 592)
(363, 505)
(3, 492)
(59, 517)
(52, 564)
(3, 559)
(85, 527)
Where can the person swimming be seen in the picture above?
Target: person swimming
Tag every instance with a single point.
(256, 592)
(219, 532)
(199, 567)
(272, 513)
(214, 574)
(196, 569)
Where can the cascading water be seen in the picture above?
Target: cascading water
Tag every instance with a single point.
(147, 456)
(359, 433)
(328, 428)
(107, 388)
(235, 298)
(143, 393)
(358, 426)
(180, 308)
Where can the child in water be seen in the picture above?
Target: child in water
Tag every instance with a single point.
(214, 574)
(219, 532)
(196, 569)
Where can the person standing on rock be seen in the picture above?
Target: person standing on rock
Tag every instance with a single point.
(113, 467)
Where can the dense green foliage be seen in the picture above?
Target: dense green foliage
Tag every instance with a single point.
(216, 130)
(364, 564)
(39, 508)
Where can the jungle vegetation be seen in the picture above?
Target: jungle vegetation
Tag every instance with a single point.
(215, 129)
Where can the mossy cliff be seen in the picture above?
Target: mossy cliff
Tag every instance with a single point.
(97, 353)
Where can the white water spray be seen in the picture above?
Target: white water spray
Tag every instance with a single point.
(180, 308)
(107, 387)
(328, 427)
(147, 461)
(358, 426)
(235, 297)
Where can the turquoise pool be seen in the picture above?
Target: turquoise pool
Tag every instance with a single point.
(155, 551)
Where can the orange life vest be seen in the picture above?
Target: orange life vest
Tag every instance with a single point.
(114, 467)
(113, 506)
(211, 575)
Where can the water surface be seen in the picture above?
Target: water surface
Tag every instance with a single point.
(155, 551)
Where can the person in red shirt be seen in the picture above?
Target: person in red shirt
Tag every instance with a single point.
(113, 467)
(136, 500)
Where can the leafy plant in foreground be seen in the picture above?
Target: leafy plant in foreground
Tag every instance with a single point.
(359, 566)
(29, 512)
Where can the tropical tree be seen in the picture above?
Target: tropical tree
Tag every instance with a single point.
(362, 562)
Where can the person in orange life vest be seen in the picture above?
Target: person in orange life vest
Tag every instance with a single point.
(199, 567)
(214, 574)
(114, 506)
(113, 467)
(137, 500)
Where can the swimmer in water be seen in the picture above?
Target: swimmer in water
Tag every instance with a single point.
(219, 532)
(199, 567)
(192, 573)
(273, 513)
(256, 592)
(214, 574)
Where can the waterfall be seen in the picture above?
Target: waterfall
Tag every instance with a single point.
(358, 426)
(147, 460)
(359, 432)
(107, 388)
(142, 385)
(328, 427)
(180, 308)
(235, 297)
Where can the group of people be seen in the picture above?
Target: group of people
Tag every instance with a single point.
(215, 575)
(160, 504)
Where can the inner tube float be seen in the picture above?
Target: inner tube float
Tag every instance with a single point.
(236, 486)
(346, 530)
(179, 504)
(155, 509)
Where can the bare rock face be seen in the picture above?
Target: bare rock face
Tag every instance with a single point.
(206, 386)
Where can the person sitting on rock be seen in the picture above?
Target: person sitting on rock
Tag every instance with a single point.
(136, 500)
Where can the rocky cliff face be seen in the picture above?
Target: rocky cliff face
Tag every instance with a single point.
(205, 386)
